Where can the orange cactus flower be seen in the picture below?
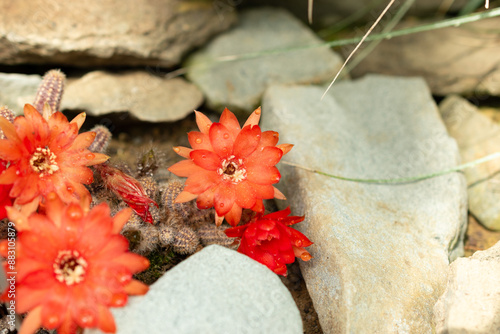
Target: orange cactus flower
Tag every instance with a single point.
(72, 265)
(271, 241)
(46, 155)
(229, 167)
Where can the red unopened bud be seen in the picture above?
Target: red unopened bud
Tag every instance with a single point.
(128, 189)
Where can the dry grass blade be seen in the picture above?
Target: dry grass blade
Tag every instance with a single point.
(310, 11)
(358, 45)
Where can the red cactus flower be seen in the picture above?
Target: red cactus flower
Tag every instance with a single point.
(269, 240)
(128, 189)
(72, 265)
(5, 199)
(46, 155)
(230, 167)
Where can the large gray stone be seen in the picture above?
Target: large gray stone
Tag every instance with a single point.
(17, 90)
(144, 95)
(106, 32)
(215, 291)
(477, 136)
(471, 302)
(381, 251)
(240, 84)
(456, 60)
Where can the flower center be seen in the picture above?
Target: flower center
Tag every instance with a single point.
(232, 170)
(44, 162)
(70, 267)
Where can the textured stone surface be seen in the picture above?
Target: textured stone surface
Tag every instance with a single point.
(461, 60)
(214, 291)
(240, 84)
(477, 136)
(147, 97)
(106, 32)
(471, 302)
(17, 90)
(381, 252)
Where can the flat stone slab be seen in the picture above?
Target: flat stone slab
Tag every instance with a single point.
(215, 291)
(17, 90)
(381, 252)
(144, 95)
(107, 32)
(471, 302)
(477, 136)
(458, 60)
(239, 84)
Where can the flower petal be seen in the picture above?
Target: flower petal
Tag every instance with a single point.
(97, 158)
(203, 122)
(206, 199)
(224, 199)
(234, 215)
(254, 118)
(183, 151)
(278, 194)
(285, 148)
(9, 150)
(78, 120)
(185, 168)
(221, 140)
(199, 182)
(263, 174)
(206, 159)
(230, 122)
(9, 131)
(267, 156)
(235, 232)
(9, 175)
(32, 322)
(199, 141)
(185, 196)
(83, 140)
(247, 141)
(259, 206)
(120, 219)
(269, 138)
(245, 195)
(106, 322)
(136, 288)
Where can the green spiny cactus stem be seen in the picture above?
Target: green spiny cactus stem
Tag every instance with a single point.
(150, 186)
(201, 217)
(169, 193)
(9, 115)
(166, 235)
(50, 92)
(210, 234)
(186, 241)
(101, 140)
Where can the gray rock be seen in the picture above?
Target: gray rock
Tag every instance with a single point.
(477, 136)
(240, 84)
(106, 32)
(17, 90)
(214, 291)
(457, 60)
(147, 97)
(471, 302)
(381, 252)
